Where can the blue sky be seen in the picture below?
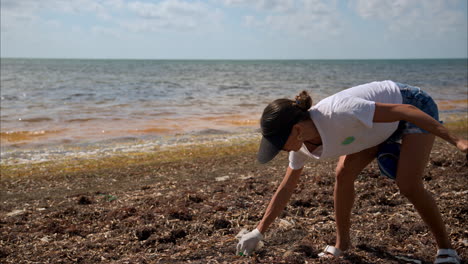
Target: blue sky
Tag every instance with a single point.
(234, 29)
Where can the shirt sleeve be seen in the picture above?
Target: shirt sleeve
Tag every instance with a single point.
(361, 109)
(297, 160)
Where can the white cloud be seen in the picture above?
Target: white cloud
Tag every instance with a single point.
(309, 19)
(20, 15)
(139, 16)
(172, 15)
(264, 5)
(414, 18)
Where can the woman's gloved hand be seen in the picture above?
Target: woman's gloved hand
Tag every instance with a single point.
(249, 241)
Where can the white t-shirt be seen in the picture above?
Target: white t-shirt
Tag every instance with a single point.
(344, 122)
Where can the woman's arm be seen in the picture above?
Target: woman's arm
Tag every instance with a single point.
(397, 112)
(280, 198)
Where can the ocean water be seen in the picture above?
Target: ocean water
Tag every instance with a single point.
(51, 102)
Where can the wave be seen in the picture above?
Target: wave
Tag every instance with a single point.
(234, 87)
(36, 119)
(18, 136)
(211, 131)
(81, 120)
(168, 84)
(247, 105)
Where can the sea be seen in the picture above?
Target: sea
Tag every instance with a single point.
(53, 108)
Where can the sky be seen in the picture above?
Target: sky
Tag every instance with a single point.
(234, 29)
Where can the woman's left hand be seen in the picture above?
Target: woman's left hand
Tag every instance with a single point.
(462, 144)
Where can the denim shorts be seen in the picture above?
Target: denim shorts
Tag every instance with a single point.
(389, 151)
(423, 101)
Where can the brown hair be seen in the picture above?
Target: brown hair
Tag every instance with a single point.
(282, 114)
(303, 101)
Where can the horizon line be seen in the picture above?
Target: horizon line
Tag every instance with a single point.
(232, 59)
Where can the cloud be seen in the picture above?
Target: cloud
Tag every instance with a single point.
(309, 19)
(172, 15)
(414, 18)
(137, 16)
(264, 5)
(17, 15)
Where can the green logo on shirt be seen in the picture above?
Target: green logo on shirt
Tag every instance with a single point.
(348, 140)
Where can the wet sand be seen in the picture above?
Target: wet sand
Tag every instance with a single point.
(186, 206)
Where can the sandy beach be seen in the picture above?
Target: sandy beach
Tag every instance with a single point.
(129, 129)
(187, 205)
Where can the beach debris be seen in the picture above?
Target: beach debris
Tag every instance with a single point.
(108, 197)
(464, 242)
(222, 178)
(16, 212)
(182, 215)
(84, 200)
(246, 177)
(195, 198)
(45, 239)
(302, 203)
(221, 223)
(285, 224)
(144, 233)
(173, 236)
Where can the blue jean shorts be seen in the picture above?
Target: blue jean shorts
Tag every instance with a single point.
(389, 151)
(423, 101)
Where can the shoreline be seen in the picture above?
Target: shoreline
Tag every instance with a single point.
(131, 145)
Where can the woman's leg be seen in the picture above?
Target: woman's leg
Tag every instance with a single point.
(414, 156)
(347, 170)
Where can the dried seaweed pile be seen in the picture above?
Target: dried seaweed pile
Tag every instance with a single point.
(190, 211)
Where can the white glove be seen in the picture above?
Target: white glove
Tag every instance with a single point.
(249, 242)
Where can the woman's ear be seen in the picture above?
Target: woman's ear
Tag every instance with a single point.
(297, 128)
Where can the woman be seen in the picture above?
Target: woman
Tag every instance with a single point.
(351, 125)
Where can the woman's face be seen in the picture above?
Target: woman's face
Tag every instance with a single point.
(293, 144)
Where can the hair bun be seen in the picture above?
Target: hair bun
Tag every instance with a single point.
(303, 101)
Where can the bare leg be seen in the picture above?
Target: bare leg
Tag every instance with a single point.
(414, 155)
(347, 170)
